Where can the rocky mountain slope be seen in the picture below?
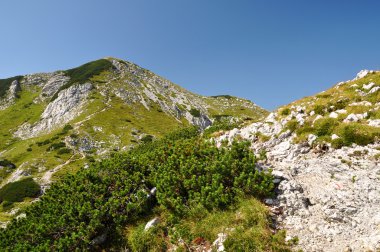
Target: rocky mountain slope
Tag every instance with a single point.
(54, 123)
(324, 151)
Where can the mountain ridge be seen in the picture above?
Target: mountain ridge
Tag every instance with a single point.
(323, 151)
(54, 123)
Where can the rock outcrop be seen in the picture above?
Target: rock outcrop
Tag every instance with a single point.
(11, 95)
(66, 107)
(328, 198)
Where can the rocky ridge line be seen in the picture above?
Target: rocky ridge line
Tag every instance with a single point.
(328, 198)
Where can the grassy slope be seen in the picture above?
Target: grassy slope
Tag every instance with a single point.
(337, 97)
(233, 106)
(122, 124)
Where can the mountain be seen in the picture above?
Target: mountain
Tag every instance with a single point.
(55, 123)
(304, 177)
(325, 152)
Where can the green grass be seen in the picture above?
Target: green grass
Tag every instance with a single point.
(222, 106)
(246, 224)
(340, 97)
(24, 110)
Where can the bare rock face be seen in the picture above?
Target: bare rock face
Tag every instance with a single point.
(53, 85)
(14, 89)
(11, 95)
(66, 107)
(328, 198)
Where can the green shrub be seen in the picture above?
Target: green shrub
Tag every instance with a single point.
(147, 139)
(43, 142)
(6, 205)
(56, 146)
(199, 173)
(195, 112)
(292, 125)
(218, 126)
(319, 110)
(325, 126)
(185, 168)
(66, 129)
(223, 96)
(63, 151)
(7, 163)
(337, 143)
(358, 133)
(306, 128)
(285, 112)
(17, 191)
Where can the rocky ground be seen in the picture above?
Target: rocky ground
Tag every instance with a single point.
(328, 198)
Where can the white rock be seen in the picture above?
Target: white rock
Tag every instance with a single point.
(98, 128)
(333, 115)
(368, 86)
(362, 103)
(153, 222)
(334, 136)
(311, 138)
(300, 119)
(64, 108)
(355, 117)
(341, 111)
(218, 243)
(317, 118)
(374, 123)
(312, 113)
(362, 74)
(373, 90)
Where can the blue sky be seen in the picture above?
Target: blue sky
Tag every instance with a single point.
(271, 52)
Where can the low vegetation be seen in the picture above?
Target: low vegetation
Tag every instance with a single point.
(197, 184)
(81, 74)
(349, 98)
(19, 190)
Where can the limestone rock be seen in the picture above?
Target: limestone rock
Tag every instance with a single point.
(362, 74)
(368, 86)
(218, 243)
(53, 85)
(63, 109)
(355, 117)
(333, 115)
(153, 222)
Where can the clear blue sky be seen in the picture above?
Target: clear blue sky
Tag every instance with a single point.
(271, 52)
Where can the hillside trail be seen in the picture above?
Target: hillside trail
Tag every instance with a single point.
(46, 179)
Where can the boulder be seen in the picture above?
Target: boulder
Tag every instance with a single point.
(334, 136)
(368, 86)
(153, 222)
(311, 138)
(218, 243)
(362, 103)
(355, 117)
(362, 74)
(333, 115)
(317, 118)
(373, 90)
(374, 123)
